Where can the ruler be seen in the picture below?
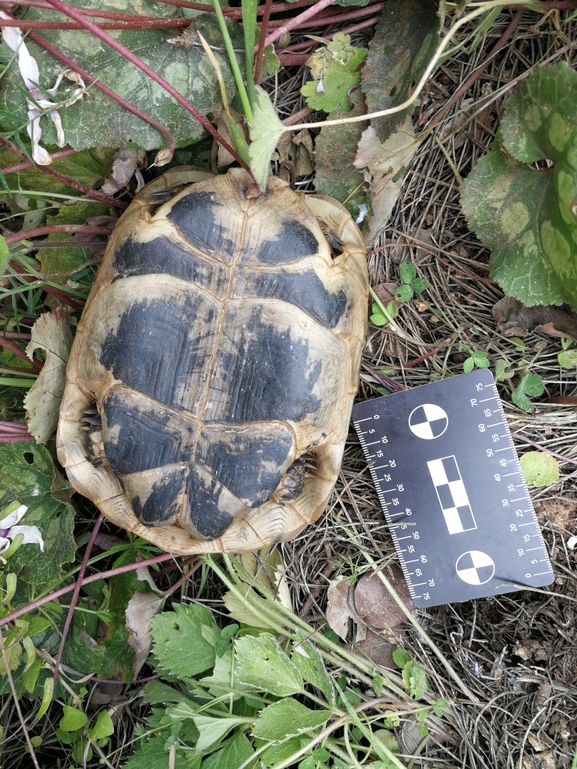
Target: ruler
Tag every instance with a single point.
(451, 486)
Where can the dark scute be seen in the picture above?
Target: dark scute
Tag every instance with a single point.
(151, 351)
(203, 497)
(268, 375)
(143, 441)
(248, 465)
(162, 256)
(305, 290)
(293, 242)
(194, 215)
(163, 502)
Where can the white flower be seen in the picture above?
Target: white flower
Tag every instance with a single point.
(28, 67)
(9, 530)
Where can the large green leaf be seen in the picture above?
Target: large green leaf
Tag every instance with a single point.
(98, 121)
(527, 216)
(287, 718)
(184, 640)
(262, 664)
(401, 48)
(27, 474)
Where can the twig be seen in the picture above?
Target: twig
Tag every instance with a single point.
(76, 593)
(17, 702)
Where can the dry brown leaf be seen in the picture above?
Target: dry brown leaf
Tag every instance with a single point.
(514, 319)
(124, 166)
(338, 614)
(382, 164)
(374, 604)
(140, 611)
(50, 333)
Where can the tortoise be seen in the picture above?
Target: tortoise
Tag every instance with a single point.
(210, 383)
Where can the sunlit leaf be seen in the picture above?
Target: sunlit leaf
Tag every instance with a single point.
(539, 468)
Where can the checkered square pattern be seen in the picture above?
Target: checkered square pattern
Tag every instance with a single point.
(452, 494)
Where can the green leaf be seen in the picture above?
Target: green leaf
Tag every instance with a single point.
(27, 474)
(262, 664)
(401, 657)
(102, 728)
(468, 365)
(480, 358)
(408, 272)
(72, 719)
(403, 293)
(211, 730)
(180, 646)
(98, 121)
(539, 468)
(152, 753)
(234, 753)
(308, 660)
(528, 216)
(333, 68)
(419, 285)
(4, 255)
(287, 718)
(265, 132)
(567, 359)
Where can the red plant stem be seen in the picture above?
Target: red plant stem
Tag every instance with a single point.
(562, 457)
(14, 335)
(108, 91)
(260, 47)
(24, 166)
(15, 350)
(76, 593)
(144, 23)
(86, 581)
(205, 123)
(296, 21)
(294, 47)
(336, 18)
(14, 433)
(236, 13)
(50, 228)
(100, 196)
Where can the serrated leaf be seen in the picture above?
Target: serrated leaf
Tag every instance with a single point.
(265, 132)
(51, 333)
(287, 718)
(211, 730)
(27, 474)
(183, 64)
(539, 468)
(178, 641)
(333, 68)
(153, 753)
(262, 664)
(312, 668)
(402, 46)
(233, 754)
(526, 216)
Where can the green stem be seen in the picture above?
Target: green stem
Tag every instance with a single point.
(249, 8)
(233, 63)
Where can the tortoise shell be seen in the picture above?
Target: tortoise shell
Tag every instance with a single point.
(211, 380)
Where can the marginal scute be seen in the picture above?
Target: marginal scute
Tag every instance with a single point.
(220, 345)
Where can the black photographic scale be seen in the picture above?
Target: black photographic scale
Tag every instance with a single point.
(452, 489)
